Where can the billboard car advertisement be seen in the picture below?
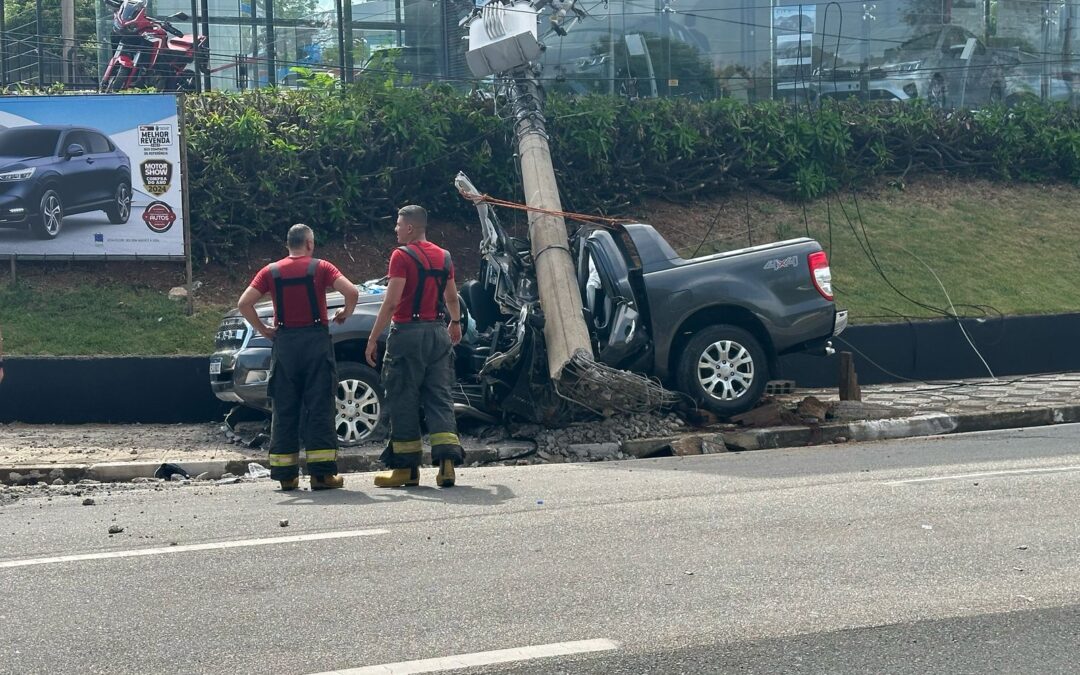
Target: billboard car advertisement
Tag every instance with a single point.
(91, 176)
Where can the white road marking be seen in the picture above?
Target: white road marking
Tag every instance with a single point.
(483, 658)
(962, 476)
(134, 553)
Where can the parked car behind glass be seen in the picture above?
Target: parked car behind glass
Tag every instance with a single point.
(928, 67)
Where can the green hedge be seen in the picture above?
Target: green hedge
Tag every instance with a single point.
(344, 160)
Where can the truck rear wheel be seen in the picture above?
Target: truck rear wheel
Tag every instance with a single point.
(361, 414)
(724, 369)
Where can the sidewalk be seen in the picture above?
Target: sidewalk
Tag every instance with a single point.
(924, 409)
(56, 454)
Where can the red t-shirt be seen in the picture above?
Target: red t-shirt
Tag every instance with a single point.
(297, 312)
(402, 266)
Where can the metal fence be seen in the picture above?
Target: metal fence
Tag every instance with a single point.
(952, 53)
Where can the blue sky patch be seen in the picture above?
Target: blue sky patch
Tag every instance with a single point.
(111, 113)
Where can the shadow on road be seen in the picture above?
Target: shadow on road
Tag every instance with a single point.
(467, 495)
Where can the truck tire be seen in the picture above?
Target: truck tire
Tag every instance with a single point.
(361, 415)
(724, 369)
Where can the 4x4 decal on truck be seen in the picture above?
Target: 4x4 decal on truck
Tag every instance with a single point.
(781, 263)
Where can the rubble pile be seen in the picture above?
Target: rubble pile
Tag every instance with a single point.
(597, 441)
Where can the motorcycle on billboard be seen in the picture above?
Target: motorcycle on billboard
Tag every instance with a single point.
(151, 52)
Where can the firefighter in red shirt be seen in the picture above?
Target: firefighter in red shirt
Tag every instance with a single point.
(418, 367)
(303, 374)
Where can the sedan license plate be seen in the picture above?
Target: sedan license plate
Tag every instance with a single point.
(215, 367)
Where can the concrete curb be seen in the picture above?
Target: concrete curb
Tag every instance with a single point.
(118, 472)
(931, 424)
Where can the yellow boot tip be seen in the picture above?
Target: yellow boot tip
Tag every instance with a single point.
(398, 478)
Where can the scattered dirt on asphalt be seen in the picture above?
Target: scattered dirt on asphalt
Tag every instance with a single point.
(25, 444)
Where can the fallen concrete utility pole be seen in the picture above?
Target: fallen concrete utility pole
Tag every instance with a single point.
(503, 42)
(565, 332)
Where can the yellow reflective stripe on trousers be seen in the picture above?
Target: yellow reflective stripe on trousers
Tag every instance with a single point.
(322, 455)
(444, 438)
(406, 447)
(285, 460)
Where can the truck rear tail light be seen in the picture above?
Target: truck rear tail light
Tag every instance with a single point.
(820, 273)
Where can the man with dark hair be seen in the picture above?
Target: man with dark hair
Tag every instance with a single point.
(303, 374)
(418, 367)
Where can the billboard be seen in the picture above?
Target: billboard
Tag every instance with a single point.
(91, 176)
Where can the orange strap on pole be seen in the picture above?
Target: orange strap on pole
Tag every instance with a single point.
(583, 217)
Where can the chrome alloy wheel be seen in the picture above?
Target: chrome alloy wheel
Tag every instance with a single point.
(358, 410)
(726, 370)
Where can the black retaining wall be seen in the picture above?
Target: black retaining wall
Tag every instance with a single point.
(170, 389)
(72, 390)
(937, 350)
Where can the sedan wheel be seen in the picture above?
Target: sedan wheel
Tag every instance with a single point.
(358, 405)
(50, 217)
(120, 209)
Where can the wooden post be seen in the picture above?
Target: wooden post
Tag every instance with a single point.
(849, 381)
(186, 203)
(565, 332)
(14, 277)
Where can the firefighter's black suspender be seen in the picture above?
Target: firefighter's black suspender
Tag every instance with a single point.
(279, 292)
(442, 277)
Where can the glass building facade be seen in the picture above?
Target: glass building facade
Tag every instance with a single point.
(953, 53)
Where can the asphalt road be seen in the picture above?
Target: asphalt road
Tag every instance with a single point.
(955, 554)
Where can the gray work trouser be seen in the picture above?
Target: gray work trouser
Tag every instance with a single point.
(303, 379)
(418, 372)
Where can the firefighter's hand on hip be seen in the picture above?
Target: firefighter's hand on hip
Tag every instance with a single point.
(371, 351)
(268, 332)
(455, 332)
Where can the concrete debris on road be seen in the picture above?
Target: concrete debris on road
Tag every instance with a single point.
(89, 501)
(597, 441)
(115, 529)
(284, 522)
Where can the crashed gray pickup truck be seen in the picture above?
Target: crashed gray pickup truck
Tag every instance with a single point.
(711, 327)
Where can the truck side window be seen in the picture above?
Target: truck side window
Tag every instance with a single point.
(597, 297)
